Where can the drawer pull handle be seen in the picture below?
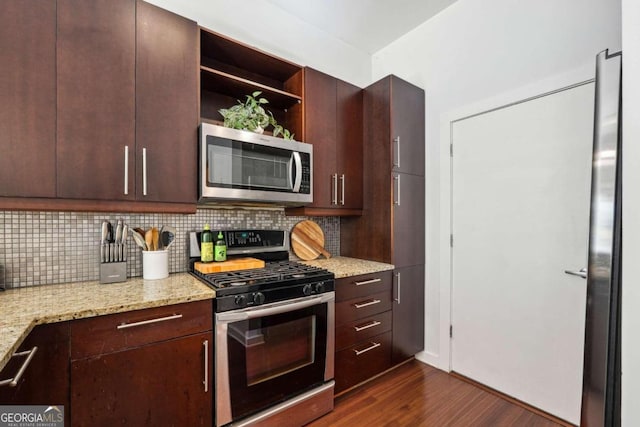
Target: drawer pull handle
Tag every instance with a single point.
(148, 322)
(367, 304)
(12, 382)
(367, 282)
(367, 326)
(371, 347)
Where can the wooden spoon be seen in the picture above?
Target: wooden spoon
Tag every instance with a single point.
(155, 238)
(148, 238)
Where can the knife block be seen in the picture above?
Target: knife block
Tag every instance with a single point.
(113, 272)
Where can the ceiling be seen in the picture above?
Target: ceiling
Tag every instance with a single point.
(368, 25)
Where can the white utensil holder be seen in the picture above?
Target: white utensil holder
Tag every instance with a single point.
(155, 265)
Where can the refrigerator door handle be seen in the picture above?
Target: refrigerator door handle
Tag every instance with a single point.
(582, 273)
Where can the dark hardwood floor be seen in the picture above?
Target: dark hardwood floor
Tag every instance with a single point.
(416, 394)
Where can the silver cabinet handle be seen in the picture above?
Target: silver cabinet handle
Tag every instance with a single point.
(144, 171)
(12, 382)
(399, 284)
(371, 347)
(150, 321)
(582, 273)
(206, 366)
(368, 282)
(396, 152)
(342, 193)
(126, 170)
(367, 304)
(367, 326)
(396, 193)
(334, 196)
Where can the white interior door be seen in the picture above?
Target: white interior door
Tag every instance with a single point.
(520, 217)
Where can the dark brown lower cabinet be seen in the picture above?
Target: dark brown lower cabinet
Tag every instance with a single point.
(363, 328)
(167, 383)
(146, 367)
(45, 380)
(362, 361)
(408, 312)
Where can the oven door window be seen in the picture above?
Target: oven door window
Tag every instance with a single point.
(243, 165)
(275, 357)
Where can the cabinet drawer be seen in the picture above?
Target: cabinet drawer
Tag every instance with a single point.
(359, 308)
(362, 285)
(114, 332)
(360, 330)
(362, 361)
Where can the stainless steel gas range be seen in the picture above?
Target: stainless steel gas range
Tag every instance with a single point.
(274, 335)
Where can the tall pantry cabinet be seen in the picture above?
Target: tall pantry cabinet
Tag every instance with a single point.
(391, 228)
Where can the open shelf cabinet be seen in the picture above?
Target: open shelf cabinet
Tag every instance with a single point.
(230, 70)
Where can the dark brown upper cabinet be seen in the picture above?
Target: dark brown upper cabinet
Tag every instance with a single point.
(28, 99)
(230, 70)
(107, 107)
(407, 127)
(166, 106)
(96, 59)
(393, 218)
(333, 124)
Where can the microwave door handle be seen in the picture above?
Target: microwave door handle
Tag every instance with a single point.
(297, 160)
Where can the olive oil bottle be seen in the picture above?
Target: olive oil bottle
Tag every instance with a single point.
(220, 248)
(206, 244)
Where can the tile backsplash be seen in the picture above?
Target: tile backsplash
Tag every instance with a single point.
(40, 248)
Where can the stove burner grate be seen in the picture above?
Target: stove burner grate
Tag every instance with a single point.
(273, 272)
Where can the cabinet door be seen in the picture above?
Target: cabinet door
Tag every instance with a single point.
(407, 127)
(408, 312)
(159, 384)
(408, 219)
(320, 130)
(28, 98)
(349, 145)
(46, 379)
(96, 93)
(166, 106)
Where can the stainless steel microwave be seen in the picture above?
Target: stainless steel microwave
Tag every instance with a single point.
(249, 168)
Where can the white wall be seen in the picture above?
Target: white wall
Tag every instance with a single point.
(476, 55)
(630, 213)
(261, 24)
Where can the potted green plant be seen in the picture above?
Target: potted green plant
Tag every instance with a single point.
(251, 115)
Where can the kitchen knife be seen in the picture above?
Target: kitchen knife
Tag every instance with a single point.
(104, 230)
(118, 241)
(123, 245)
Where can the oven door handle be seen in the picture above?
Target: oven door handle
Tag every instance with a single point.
(276, 308)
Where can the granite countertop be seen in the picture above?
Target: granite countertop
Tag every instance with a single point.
(343, 266)
(23, 308)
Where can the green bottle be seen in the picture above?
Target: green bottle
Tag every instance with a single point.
(221, 248)
(206, 244)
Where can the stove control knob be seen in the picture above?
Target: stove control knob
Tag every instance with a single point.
(258, 298)
(241, 300)
(320, 287)
(307, 289)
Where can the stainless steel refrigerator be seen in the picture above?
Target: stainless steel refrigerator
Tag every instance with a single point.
(601, 378)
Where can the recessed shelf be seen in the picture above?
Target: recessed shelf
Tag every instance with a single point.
(234, 86)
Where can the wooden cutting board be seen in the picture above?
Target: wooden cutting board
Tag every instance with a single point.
(307, 240)
(229, 265)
